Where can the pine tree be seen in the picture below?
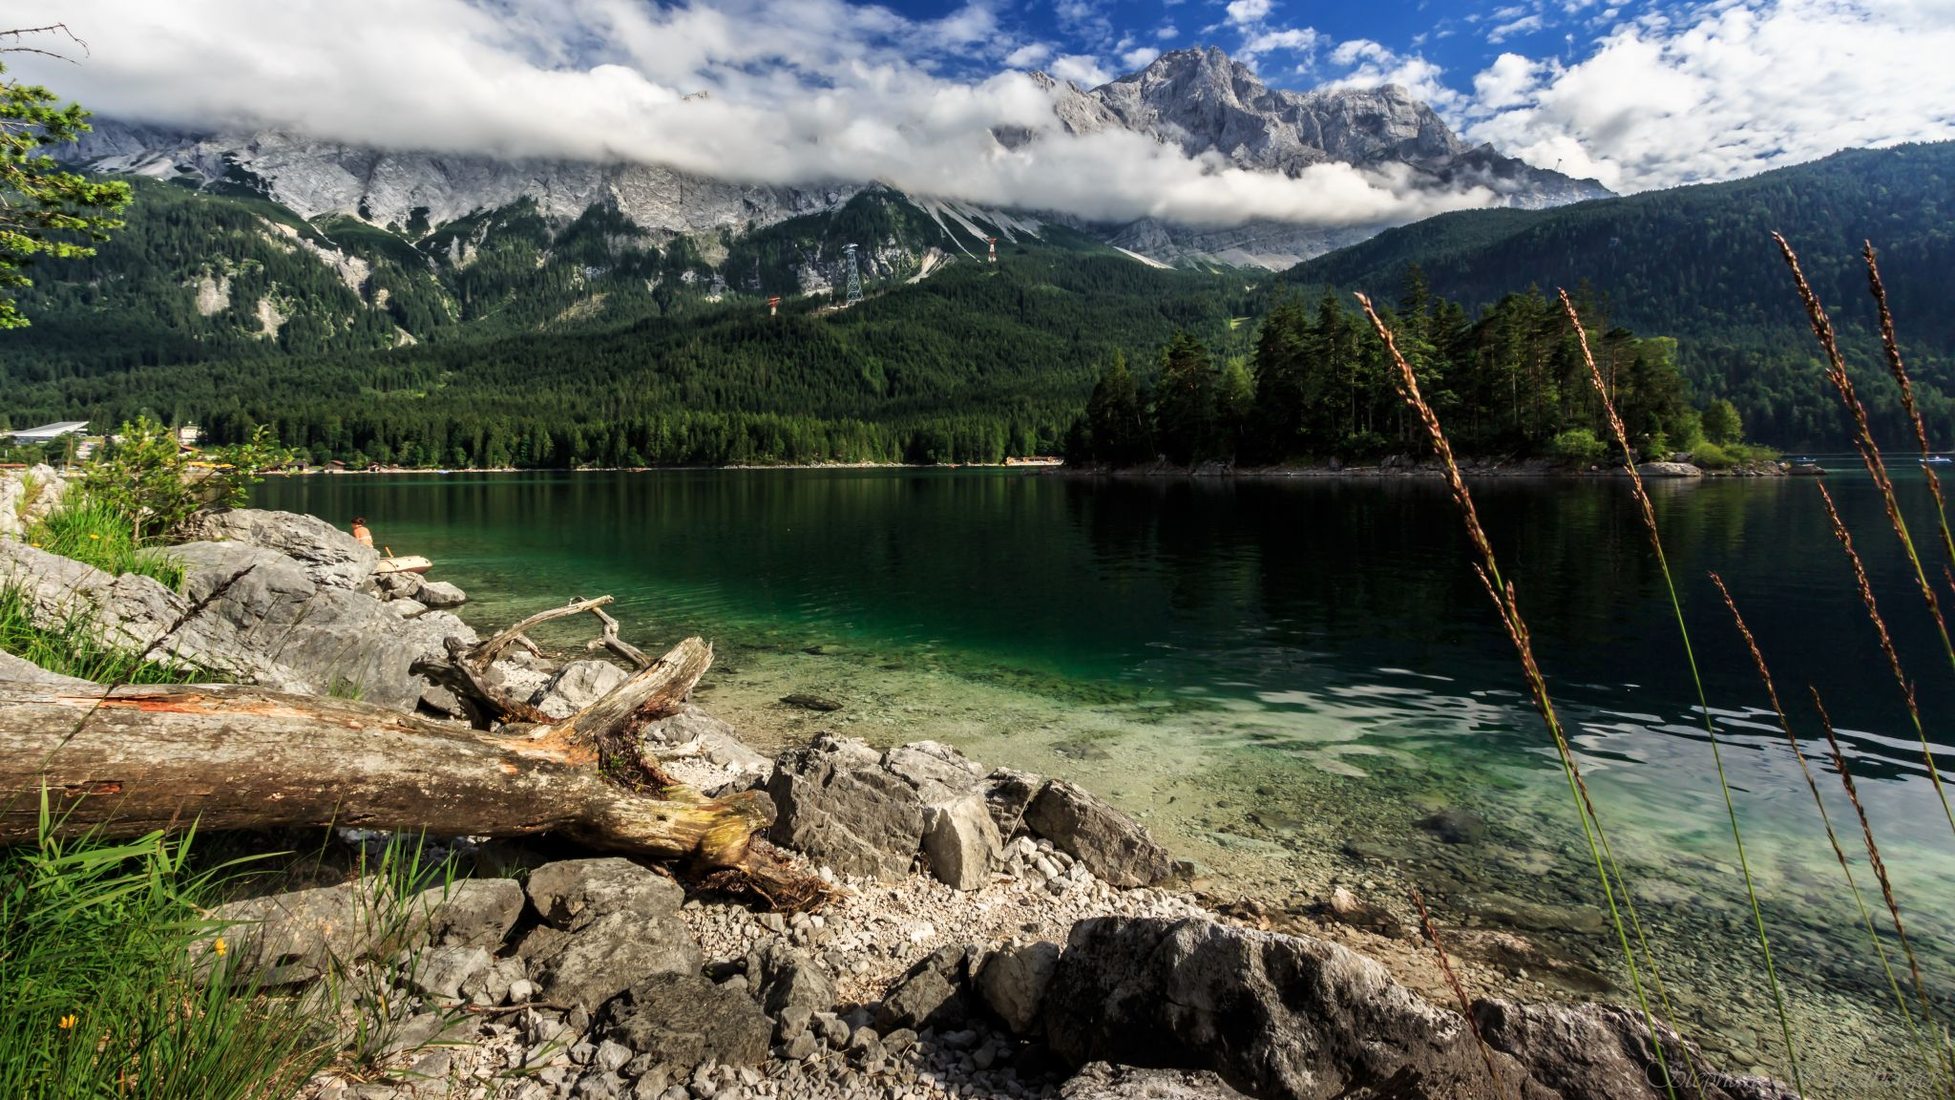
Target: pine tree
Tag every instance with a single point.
(44, 211)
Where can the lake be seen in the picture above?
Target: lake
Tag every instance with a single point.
(1283, 677)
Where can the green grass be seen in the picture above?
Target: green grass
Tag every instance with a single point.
(96, 533)
(72, 649)
(101, 993)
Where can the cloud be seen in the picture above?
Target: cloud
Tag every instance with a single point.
(1302, 40)
(1373, 64)
(1166, 31)
(1139, 57)
(1029, 56)
(1243, 13)
(1082, 69)
(1727, 88)
(800, 92)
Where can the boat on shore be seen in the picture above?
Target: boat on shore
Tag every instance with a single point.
(412, 563)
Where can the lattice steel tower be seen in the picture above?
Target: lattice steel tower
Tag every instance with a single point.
(855, 275)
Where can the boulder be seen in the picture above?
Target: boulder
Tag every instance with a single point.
(473, 912)
(577, 685)
(27, 496)
(931, 994)
(440, 971)
(20, 669)
(1112, 845)
(1668, 469)
(1604, 1050)
(572, 893)
(837, 804)
(269, 615)
(441, 595)
(1275, 1016)
(398, 586)
(1012, 982)
(1007, 794)
(1455, 826)
(936, 771)
(960, 842)
(788, 981)
(1102, 1081)
(709, 739)
(283, 939)
(606, 955)
(329, 556)
(684, 1020)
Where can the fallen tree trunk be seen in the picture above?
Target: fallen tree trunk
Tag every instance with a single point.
(130, 759)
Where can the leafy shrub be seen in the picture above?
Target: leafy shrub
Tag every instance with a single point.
(145, 475)
(1577, 447)
(1712, 457)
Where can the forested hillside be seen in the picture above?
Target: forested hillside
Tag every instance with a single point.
(503, 339)
(1698, 263)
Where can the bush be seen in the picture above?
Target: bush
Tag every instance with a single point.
(101, 988)
(1577, 447)
(145, 475)
(1712, 457)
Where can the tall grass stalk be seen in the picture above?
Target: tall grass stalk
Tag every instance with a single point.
(102, 995)
(1893, 655)
(1867, 832)
(1863, 441)
(1650, 528)
(1892, 347)
(1431, 932)
(71, 647)
(1506, 602)
(1944, 1072)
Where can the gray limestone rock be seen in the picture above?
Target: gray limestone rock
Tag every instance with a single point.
(577, 685)
(572, 893)
(473, 912)
(686, 1020)
(1007, 794)
(22, 670)
(27, 496)
(960, 841)
(328, 555)
(441, 595)
(1102, 1081)
(837, 804)
(931, 994)
(937, 771)
(1113, 846)
(282, 939)
(440, 971)
(603, 956)
(1013, 980)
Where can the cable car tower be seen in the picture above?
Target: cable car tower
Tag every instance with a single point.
(855, 275)
(993, 242)
(773, 305)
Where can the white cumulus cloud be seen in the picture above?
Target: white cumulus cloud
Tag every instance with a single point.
(1727, 88)
(798, 92)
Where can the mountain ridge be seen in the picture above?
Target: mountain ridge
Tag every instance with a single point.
(1198, 100)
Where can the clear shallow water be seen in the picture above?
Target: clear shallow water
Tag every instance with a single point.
(1284, 676)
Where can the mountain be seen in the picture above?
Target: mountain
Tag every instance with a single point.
(1204, 103)
(1699, 263)
(1197, 99)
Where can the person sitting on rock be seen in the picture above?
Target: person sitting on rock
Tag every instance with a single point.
(360, 531)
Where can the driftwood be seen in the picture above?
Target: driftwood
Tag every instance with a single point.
(465, 672)
(130, 759)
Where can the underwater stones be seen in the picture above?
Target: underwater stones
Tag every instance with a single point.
(1455, 826)
(817, 703)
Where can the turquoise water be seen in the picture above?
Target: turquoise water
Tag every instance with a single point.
(1284, 676)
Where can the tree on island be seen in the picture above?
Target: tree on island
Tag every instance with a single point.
(44, 211)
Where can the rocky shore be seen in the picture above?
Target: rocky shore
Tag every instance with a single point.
(987, 932)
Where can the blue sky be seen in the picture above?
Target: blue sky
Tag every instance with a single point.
(1640, 94)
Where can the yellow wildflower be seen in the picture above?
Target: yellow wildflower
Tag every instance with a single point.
(68, 1022)
(94, 535)
(219, 947)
